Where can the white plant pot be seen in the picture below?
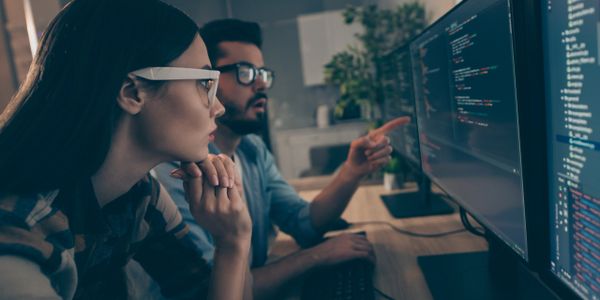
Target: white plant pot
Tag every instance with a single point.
(389, 181)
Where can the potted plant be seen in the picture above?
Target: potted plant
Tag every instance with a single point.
(354, 70)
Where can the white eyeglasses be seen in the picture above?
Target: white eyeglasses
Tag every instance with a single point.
(208, 78)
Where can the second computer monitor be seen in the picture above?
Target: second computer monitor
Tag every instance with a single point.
(399, 100)
(465, 89)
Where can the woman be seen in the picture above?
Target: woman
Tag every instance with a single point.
(94, 115)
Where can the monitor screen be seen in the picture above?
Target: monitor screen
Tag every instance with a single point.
(465, 89)
(572, 76)
(399, 100)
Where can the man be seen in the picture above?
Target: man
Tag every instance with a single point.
(234, 49)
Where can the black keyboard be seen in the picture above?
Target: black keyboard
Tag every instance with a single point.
(349, 280)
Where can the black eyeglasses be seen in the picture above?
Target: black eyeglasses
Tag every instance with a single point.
(247, 73)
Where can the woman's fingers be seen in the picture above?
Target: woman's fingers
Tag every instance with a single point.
(192, 181)
(219, 209)
(235, 197)
(210, 171)
(191, 169)
(219, 170)
(208, 201)
(222, 203)
(178, 173)
(231, 169)
(185, 171)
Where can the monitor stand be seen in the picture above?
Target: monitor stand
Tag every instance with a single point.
(417, 204)
(490, 275)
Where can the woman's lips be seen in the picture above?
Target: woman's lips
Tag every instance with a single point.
(211, 135)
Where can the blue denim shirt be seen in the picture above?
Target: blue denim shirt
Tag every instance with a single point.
(271, 201)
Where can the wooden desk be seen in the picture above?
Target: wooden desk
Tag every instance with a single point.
(397, 273)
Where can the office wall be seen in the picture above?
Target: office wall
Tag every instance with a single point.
(202, 11)
(7, 73)
(15, 49)
(294, 104)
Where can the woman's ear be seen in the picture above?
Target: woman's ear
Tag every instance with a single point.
(128, 98)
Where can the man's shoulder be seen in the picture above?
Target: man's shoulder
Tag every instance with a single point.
(252, 145)
(255, 140)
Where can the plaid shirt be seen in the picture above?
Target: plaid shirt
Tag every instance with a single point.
(83, 248)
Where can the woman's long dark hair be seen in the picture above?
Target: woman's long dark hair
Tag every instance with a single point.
(58, 128)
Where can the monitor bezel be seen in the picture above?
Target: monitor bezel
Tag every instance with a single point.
(415, 164)
(529, 84)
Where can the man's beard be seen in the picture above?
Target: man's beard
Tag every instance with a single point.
(241, 126)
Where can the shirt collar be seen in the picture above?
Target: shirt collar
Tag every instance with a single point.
(86, 216)
(246, 148)
(80, 205)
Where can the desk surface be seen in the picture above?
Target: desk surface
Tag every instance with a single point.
(397, 272)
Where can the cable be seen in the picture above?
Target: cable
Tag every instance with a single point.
(465, 220)
(382, 294)
(463, 217)
(410, 233)
(478, 231)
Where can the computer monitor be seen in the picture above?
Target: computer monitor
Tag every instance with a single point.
(399, 100)
(572, 67)
(467, 115)
(398, 92)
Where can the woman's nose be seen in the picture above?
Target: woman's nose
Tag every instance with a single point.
(217, 109)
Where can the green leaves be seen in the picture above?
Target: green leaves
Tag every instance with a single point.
(354, 70)
(394, 166)
(352, 73)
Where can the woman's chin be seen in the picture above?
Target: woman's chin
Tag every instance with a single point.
(201, 156)
(196, 157)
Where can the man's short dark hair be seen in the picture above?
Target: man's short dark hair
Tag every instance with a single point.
(229, 30)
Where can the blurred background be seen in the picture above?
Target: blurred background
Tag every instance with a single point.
(325, 54)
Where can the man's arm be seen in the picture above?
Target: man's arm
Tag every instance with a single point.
(367, 154)
(270, 279)
(287, 210)
(331, 202)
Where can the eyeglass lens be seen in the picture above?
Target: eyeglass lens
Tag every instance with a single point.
(247, 75)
